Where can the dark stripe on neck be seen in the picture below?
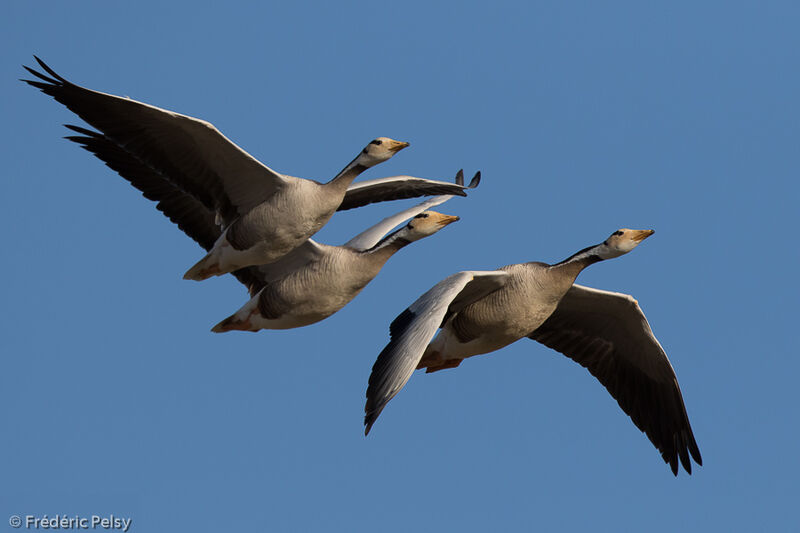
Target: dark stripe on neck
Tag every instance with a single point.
(589, 259)
(391, 237)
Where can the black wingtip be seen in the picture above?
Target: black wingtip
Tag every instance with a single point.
(673, 464)
(694, 450)
(460, 177)
(39, 75)
(683, 454)
(48, 69)
(82, 131)
(475, 181)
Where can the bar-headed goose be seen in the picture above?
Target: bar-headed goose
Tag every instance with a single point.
(264, 214)
(198, 222)
(315, 280)
(606, 332)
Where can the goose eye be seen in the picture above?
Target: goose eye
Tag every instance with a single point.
(423, 215)
(618, 233)
(376, 142)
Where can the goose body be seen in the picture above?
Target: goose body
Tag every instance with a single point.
(295, 212)
(261, 214)
(270, 230)
(316, 280)
(306, 296)
(529, 295)
(481, 312)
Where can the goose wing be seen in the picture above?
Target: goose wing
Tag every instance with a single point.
(371, 236)
(189, 214)
(414, 328)
(190, 153)
(607, 333)
(399, 187)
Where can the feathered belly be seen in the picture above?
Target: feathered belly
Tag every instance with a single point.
(281, 310)
(317, 293)
(484, 328)
(284, 221)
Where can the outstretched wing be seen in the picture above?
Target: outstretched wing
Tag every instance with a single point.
(188, 213)
(190, 153)
(414, 328)
(191, 216)
(607, 333)
(399, 187)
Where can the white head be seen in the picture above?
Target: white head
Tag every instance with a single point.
(425, 224)
(378, 151)
(622, 241)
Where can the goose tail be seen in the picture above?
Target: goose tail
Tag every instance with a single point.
(204, 269)
(232, 323)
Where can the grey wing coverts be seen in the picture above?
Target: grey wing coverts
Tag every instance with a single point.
(413, 329)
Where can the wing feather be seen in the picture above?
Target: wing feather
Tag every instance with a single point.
(414, 328)
(608, 334)
(191, 153)
(371, 236)
(399, 187)
(188, 213)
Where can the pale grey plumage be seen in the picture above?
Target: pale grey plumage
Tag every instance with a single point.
(413, 329)
(605, 332)
(316, 280)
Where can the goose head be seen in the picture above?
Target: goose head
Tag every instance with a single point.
(425, 224)
(623, 241)
(378, 151)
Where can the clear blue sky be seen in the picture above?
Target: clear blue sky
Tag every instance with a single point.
(584, 117)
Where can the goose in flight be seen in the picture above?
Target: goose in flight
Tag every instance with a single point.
(263, 214)
(198, 222)
(315, 280)
(606, 332)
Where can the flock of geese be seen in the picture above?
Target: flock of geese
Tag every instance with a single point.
(256, 224)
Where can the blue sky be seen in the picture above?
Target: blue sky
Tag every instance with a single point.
(584, 117)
